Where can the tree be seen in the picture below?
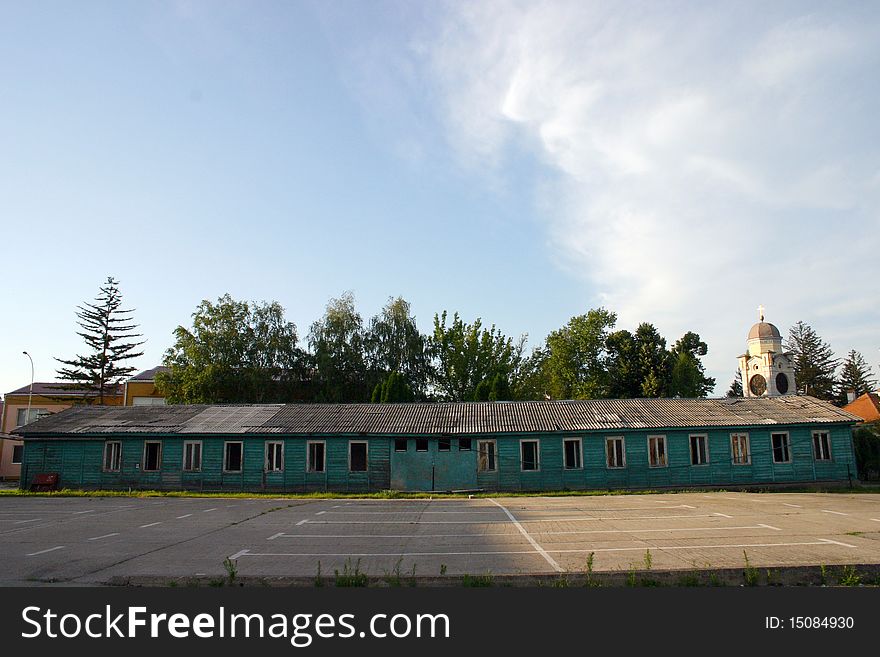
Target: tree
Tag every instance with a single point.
(736, 387)
(337, 344)
(653, 361)
(393, 343)
(466, 355)
(529, 379)
(814, 362)
(687, 378)
(392, 390)
(236, 352)
(624, 376)
(855, 376)
(575, 356)
(110, 338)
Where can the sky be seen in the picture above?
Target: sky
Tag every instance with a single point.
(523, 162)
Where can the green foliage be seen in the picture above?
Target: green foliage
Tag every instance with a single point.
(338, 351)
(477, 581)
(866, 443)
(466, 355)
(855, 376)
(575, 356)
(849, 577)
(235, 352)
(736, 387)
(392, 390)
(231, 568)
(108, 333)
(687, 376)
(750, 573)
(814, 362)
(393, 343)
(351, 575)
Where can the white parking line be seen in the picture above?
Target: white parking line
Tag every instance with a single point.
(319, 513)
(248, 553)
(152, 524)
(186, 515)
(560, 533)
(495, 522)
(876, 519)
(301, 522)
(98, 538)
(796, 506)
(76, 513)
(21, 522)
(57, 547)
(208, 510)
(770, 527)
(531, 540)
(418, 512)
(837, 513)
(723, 515)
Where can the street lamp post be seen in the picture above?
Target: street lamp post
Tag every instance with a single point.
(31, 391)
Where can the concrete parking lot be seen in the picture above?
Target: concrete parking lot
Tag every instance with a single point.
(91, 540)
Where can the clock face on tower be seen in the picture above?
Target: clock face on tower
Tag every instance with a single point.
(782, 383)
(758, 385)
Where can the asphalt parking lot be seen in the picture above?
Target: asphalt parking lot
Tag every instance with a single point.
(91, 540)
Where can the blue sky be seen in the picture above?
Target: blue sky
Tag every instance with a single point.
(679, 163)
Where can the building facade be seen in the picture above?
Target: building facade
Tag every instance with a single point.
(493, 446)
(140, 390)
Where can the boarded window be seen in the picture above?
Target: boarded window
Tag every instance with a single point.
(739, 449)
(316, 457)
(192, 456)
(821, 446)
(17, 451)
(357, 453)
(657, 451)
(615, 454)
(152, 456)
(112, 455)
(274, 457)
(781, 448)
(699, 450)
(486, 456)
(421, 444)
(572, 454)
(232, 457)
(529, 454)
(444, 444)
(400, 444)
(464, 444)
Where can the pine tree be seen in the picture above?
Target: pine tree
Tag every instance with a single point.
(736, 388)
(855, 376)
(108, 333)
(814, 362)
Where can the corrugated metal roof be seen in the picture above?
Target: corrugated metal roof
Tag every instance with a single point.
(61, 389)
(441, 418)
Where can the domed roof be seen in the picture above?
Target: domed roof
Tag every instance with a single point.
(764, 330)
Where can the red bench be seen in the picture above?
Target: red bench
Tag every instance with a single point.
(46, 481)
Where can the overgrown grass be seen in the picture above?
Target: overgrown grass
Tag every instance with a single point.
(750, 573)
(351, 575)
(477, 581)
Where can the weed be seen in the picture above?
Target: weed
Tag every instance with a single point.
(714, 580)
(477, 581)
(172, 584)
(690, 579)
(393, 578)
(771, 578)
(750, 573)
(442, 569)
(561, 582)
(849, 577)
(589, 579)
(631, 577)
(319, 581)
(351, 574)
(217, 583)
(823, 575)
(855, 533)
(231, 569)
(412, 576)
(648, 560)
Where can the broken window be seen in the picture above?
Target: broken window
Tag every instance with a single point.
(112, 455)
(192, 456)
(572, 449)
(821, 446)
(274, 456)
(615, 453)
(657, 451)
(486, 456)
(444, 444)
(232, 457)
(357, 456)
(316, 457)
(739, 449)
(781, 447)
(152, 456)
(699, 450)
(529, 454)
(400, 444)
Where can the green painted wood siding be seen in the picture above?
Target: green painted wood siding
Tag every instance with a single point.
(80, 463)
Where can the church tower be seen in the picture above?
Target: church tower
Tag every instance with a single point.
(766, 370)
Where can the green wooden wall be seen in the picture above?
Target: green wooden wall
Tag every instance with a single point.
(79, 462)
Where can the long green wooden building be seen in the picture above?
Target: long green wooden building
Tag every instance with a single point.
(493, 446)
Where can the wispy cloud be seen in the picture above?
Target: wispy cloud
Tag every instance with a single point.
(710, 161)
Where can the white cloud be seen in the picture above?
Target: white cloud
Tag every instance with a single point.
(708, 162)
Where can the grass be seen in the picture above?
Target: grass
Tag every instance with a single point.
(351, 575)
(231, 568)
(849, 577)
(750, 573)
(477, 581)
